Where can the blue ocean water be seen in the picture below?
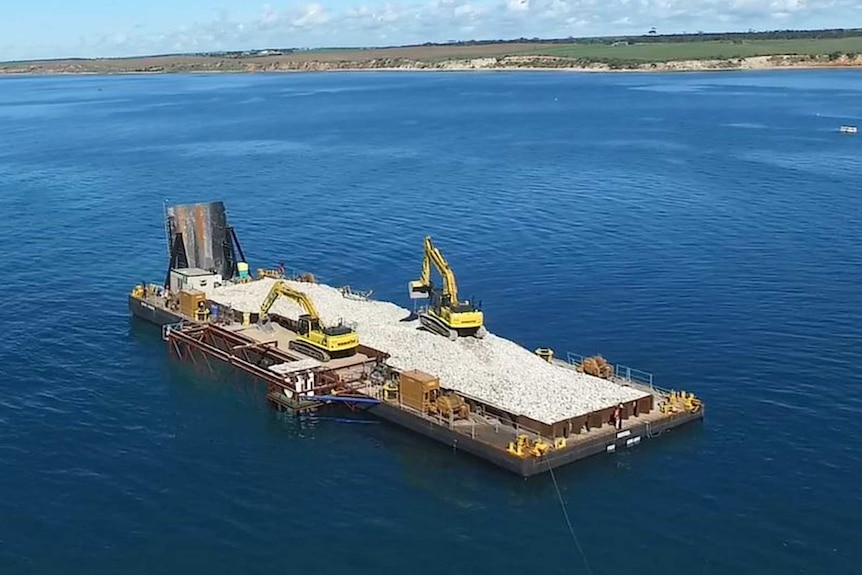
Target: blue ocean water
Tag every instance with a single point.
(703, 227)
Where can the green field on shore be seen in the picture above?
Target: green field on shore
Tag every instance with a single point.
(704, 50)
(635, 52)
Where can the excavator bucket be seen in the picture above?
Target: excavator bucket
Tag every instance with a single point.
(412, 316)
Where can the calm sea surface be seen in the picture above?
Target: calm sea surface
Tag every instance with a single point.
(704, 227)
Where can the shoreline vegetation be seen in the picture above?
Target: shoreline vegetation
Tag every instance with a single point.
(648, 53)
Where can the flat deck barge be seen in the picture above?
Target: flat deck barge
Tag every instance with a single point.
(202, 331)
(504, 439)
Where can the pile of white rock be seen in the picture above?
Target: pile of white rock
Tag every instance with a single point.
(493, 369)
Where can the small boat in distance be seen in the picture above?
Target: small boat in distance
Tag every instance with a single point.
(848, 129)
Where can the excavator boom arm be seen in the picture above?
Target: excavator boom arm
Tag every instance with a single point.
(433, 255)
(280, 288)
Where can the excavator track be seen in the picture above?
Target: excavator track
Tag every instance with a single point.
(435, 325)
(306, 348)
(478, 332)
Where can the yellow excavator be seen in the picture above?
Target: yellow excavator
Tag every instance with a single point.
(445, 315)
(313, 339)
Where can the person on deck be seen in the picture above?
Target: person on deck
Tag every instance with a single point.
(618, 416)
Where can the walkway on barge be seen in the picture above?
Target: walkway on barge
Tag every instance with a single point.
(295, 378)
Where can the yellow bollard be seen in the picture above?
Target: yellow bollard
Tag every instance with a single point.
(545, 353)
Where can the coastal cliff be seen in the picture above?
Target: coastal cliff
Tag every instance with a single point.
(638, 55)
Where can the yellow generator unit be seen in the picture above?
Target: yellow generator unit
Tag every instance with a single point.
(192, 303)
(418, 390)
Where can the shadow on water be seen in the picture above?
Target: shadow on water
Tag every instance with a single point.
(205, 381)
(145, 333)
(429, 465)
(198, 379)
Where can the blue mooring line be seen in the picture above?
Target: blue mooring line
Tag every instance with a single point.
(347, 420)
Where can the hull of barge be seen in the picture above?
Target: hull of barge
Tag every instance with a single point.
(611, 442)
(158, 315)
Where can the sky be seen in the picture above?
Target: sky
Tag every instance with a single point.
(32, 29)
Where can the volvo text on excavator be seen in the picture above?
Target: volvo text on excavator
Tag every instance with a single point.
(313, 339)
(445, 314)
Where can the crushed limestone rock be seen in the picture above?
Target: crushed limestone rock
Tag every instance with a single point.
(494, 370)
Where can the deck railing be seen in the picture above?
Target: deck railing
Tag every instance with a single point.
(622, 372)
(574, 359)
(627, 373)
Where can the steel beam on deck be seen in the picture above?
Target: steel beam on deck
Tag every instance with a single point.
(344, 399)
(236, 350)
(231, 359)
(255, 344)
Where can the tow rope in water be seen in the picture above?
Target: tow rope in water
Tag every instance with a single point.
(568, 521)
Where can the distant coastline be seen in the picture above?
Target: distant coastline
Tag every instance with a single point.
(650, 53)
(178, 66)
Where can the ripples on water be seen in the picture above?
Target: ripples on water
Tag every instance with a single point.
(700, 226)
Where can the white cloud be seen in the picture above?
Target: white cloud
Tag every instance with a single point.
(267, 15)
(376, 22)
(312, 15)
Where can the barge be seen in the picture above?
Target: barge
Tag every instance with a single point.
(201, 325)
